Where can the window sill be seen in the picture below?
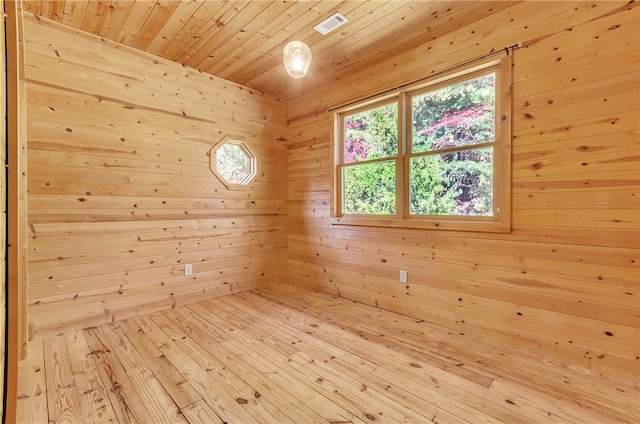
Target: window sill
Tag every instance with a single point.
(478, 225)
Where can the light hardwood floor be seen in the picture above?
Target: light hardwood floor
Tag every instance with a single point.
(289, 355)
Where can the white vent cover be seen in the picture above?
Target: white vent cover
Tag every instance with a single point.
(331, 23)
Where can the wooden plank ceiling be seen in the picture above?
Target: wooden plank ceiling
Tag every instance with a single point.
(242, 41)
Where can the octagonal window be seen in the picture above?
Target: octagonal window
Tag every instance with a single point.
(233, 162)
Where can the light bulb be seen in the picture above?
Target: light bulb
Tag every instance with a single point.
(297, 58)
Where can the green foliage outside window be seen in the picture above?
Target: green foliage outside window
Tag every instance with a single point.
(372, 134)
(459, 182)
(455, 183)
(370, 188)
(458, 115)
(448, 174)
(232, 163)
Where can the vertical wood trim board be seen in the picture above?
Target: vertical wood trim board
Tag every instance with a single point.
(3, 211)
(16, 207)
(120, 192)
(565, 282)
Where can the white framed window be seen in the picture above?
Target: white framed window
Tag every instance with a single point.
(434, 155)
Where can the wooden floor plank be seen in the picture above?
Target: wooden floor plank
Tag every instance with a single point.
(202, 383)
(62, 397)
(269, 355)
(332, 384)
(199, 329)
(269, 387)
(563, 405)
(302, 381)
(231, 384)
(153, 395)
(161, 331)
(94, 401)
(200, 413)
(374, 325)
(288, 354)
(32, 391)
(125, 400)
(276, 333)
(266, 384)
(431, 403)
(177, 387)
(538, 375)
(206, 310)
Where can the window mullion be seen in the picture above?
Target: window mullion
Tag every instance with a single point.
(453, 149)
(370, 161)
(401, 174)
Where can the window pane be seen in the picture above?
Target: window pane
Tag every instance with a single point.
(232, 163)
(370, 188)
(459, 115)
(453, 183)
(372, 134)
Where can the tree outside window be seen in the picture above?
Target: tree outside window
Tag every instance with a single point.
(233, 162)
(442, 163)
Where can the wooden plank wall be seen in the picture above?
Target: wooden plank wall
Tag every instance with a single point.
(120, 192)
(565, 282)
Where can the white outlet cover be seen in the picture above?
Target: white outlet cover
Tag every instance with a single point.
(403, 276)
(188, 269)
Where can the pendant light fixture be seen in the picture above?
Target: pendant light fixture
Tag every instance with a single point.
(296, 54)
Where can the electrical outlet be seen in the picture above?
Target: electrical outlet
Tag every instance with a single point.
(188, 269)
(403, 276)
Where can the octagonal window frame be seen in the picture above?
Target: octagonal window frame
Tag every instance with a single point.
(252, 162)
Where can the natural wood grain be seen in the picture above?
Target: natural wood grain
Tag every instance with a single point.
(32, 391)
(200, 412)
(126, 140)
(113, 19)
(183, 12)
(153, 397)
(62, 395)
(115, 165)
(368, 325)
(94, 400)
(125, 400)
(176, 386)
(287, 354)
(208, 384)
(242, 41)
(3, 214)
(564, 282)
(14, 191)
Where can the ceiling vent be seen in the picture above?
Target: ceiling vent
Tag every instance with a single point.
(331, 23)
